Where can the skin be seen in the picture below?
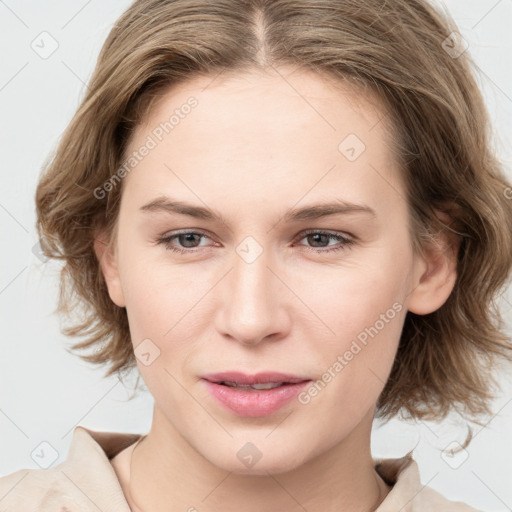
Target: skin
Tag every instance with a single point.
(256, 146)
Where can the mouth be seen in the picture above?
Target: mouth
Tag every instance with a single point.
(262, 380)
(255, 387)
(254, 395)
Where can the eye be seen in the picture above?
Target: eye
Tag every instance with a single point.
(322, 237)
(188, 238)
(189, 241)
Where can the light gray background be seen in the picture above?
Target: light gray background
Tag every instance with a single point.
(44, 391)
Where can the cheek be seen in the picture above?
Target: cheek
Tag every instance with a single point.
(364, 315)
(156, 291)
(165, 315)
(353, 299)
(166, 306)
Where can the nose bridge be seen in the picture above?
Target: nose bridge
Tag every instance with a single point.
(252, 308)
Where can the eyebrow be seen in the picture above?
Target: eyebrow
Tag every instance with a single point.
(166, 204)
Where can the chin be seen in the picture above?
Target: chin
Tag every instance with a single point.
(250, 459)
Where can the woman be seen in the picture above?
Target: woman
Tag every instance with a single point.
(287, 215)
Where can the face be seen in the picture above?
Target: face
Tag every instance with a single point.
(252, 272)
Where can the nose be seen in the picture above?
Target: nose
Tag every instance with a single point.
(254, 302)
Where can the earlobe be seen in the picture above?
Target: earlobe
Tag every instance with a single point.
(108, 264)
(435, 275)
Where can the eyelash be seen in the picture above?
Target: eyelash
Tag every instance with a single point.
(346, 242)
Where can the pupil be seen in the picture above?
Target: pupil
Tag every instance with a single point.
(185, 236)
(316, 235)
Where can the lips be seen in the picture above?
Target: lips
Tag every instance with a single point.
(261, 394)
(242, 379)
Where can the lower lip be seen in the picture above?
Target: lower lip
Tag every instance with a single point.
(254, 403)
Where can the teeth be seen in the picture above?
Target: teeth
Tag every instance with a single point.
(268, 385)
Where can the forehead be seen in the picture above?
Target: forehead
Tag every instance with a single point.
(320, 101)
(252, 130)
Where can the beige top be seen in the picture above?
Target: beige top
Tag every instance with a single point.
(87, 482)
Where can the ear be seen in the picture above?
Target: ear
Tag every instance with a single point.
(107, 257)
(435, 273)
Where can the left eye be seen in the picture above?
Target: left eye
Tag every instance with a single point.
(188, 239)
(323, 236)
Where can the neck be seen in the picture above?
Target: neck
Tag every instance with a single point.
(168, 474)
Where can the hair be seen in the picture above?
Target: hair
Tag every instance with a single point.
(396, 49)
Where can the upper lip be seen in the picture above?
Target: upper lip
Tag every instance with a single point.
(258, 378)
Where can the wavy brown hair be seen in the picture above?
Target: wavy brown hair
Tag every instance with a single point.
(397, 49)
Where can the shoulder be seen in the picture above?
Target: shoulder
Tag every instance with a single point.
(408, 494)
(84, 481)
(39, 489)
